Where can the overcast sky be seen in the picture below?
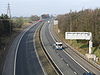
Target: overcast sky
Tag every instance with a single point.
(38, 7)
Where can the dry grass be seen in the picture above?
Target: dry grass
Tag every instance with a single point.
(82, 48)
(6, 43)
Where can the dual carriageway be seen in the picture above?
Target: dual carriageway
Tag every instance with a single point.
(24, 60)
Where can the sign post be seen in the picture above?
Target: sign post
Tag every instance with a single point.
(90, 46)
(80, 36)
(55, 22)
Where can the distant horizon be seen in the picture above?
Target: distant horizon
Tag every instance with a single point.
(53, 14)
(27, 8)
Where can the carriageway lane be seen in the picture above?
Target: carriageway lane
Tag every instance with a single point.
(66, 58)
(71, 53)
(27, 62)
(48, 42)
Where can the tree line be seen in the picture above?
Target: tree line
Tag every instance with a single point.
(87, 20)
(5, 26)
(5, 23)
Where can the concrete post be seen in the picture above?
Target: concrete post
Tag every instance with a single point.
(90, 45)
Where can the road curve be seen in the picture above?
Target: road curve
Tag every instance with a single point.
(80, 62)
(26, 60)
(67, 63)
(48, 42)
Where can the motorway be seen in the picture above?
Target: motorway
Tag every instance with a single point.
(79, 60)
(21, 58)
(66, 60)
(48, 42)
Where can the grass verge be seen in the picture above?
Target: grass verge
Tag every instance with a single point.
(80, 47)
(6, 43)
(42, 56)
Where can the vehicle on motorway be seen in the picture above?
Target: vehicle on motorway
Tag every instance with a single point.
(40, 20)
(58, 46)
(48, 21)
(88, 73)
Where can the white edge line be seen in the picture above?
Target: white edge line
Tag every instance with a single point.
(51, 63)
(69, 55)
(37, 54)
(76, 61)
(82, 56)
(18, 46)
(51, 58)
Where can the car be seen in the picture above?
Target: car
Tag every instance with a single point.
(58, 46)
(48, 21)
(88, 73)
(40, 20)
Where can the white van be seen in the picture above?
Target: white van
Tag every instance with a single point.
(58, 45)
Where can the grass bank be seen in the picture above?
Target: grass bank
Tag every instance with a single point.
(80, 47)
(6, 43)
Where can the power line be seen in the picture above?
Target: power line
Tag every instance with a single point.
(8, 10)
(9, 14)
